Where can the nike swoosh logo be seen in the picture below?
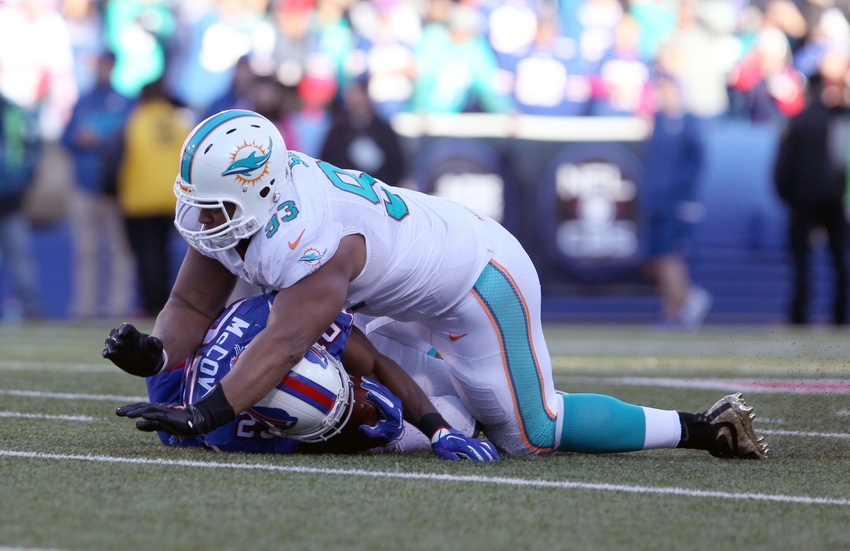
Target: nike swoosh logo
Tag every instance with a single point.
(294, 244)
(456, 337)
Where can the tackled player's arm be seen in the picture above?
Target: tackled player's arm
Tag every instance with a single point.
(446, 442)
(200, 292)
(360, 357)
(299, 316)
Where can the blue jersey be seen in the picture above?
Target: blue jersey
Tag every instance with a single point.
(225, 340)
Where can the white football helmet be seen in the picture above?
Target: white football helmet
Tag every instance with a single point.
(312, 403)
(236, 158)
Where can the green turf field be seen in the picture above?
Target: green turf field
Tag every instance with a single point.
(75, 476)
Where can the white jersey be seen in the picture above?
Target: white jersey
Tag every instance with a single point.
(423, 253)
(446, 277)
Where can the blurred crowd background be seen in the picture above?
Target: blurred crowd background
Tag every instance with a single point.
(574, 57)
(98, 95)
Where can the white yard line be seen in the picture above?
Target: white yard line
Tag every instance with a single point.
(630, 348)
(7, 365)
(499, 481)
(841, 435)
(771, 385)
(70, 396)
(19, 415)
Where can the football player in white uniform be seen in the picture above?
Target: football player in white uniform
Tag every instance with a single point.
(327, 238)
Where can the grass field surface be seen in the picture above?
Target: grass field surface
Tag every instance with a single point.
(73, 476)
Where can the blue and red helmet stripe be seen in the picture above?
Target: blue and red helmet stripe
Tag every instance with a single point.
(308, 391)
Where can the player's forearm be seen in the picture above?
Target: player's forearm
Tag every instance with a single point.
(181, 328)
(199, 295)
(363, 359)
(315, 300)
(260, 368)
(413, 398)
(418, 409)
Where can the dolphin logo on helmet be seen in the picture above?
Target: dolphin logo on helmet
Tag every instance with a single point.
(249, 164)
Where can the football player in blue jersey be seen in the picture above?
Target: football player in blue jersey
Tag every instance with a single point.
(231, 333)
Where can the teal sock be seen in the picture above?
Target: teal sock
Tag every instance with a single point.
(594, 423)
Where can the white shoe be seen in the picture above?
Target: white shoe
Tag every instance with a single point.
(696, 307)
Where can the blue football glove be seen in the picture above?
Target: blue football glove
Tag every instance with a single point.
(453, 445)
(391, 427)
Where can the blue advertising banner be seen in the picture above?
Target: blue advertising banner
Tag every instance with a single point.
(587, 211)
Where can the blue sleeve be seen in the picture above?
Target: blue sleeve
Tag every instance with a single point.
(168, 388)
(336, 337)
(247, 435)
(181, 441)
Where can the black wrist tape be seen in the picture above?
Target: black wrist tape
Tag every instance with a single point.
(431, 423)
(215, 409)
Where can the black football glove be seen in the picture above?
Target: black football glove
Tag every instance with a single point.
(135, 352)
(170, 418)
(208, 413)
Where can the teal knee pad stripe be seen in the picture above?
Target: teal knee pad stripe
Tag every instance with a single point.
(503, 302)
(594, 423)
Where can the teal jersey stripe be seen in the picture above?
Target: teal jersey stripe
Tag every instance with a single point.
(204, 131)
(497, 293)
